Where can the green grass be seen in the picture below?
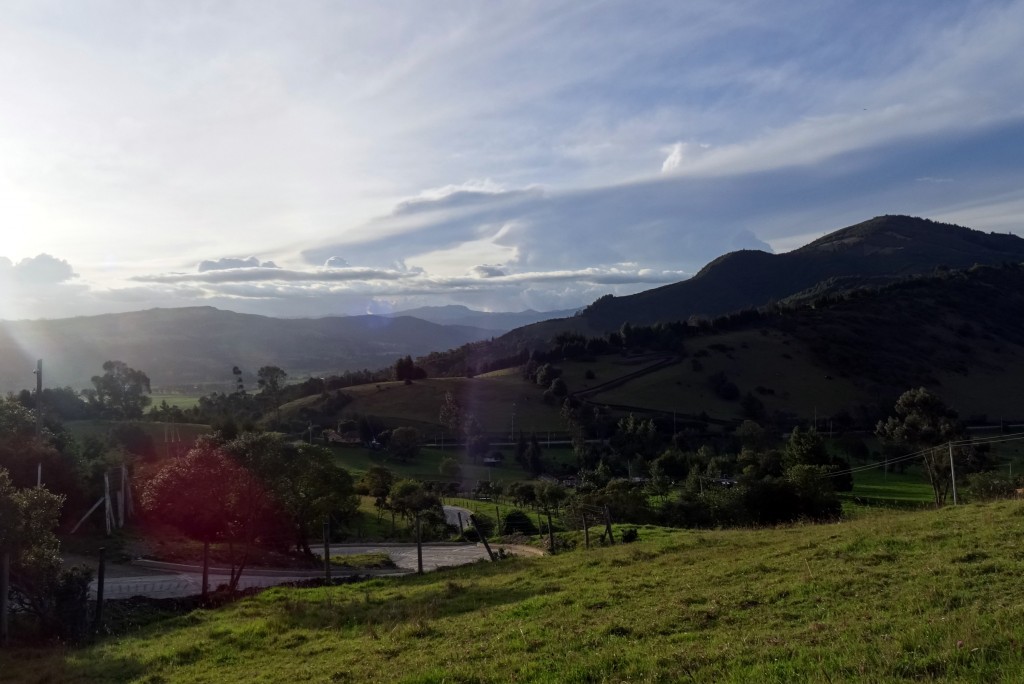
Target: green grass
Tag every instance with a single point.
(174, 400)
(890, 596)
(363, 561)
(877, 486)
(491, 399)
(426, 466)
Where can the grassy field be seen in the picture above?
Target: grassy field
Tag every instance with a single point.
(890, 596)
(162, 433)
(175, 400)
(426, 466)
(493, 400)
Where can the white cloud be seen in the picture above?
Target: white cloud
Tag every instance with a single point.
(674, 158)
(232, 262)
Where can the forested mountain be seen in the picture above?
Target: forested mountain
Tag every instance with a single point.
(880, 250)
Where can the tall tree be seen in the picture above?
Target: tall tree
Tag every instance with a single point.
(120, 393)
(270, 380)
(921, 421)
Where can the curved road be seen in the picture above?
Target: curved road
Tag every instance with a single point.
(168, 580)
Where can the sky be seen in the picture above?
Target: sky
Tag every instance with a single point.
(311, 158)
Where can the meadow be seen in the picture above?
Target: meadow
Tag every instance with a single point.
(888, 596)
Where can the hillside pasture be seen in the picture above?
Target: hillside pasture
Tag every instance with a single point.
(888, 597)
(775, 368)
(493, 400)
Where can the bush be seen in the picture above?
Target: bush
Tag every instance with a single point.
(484, 524)
(518, 522)
(991, 485)
(630, 535)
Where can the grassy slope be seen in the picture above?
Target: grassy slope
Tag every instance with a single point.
(490, 399)
(924, 595)
(749, 359)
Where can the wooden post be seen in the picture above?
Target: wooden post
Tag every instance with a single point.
(108, 511)
(952, 472)
(327, 550)
(5, 588)
(608, 525)
(586, 532)
(462, 531)
(551, 534)
(206, 567)
(479, 533)
(419, 546)
(100, 581)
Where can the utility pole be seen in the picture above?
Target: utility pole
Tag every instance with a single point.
(39, 416)
(952, 472)
(5, 589)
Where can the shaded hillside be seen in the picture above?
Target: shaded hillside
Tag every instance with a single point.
(879, 250)
(850, 355)
(202, 344)
(960, 333)
(499, 321)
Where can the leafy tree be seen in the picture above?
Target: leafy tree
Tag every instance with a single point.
(451, 414)
(378, 481)
(450, 469)
(404, 443)
(209, 497)
(409, 498)
(28, 518)
(120, 393)
(807, 447)
(406, 369)
(533, 455)
(303, 479)
(270, 380)
(920, 422)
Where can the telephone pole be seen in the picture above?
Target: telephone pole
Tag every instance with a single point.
(39, 416)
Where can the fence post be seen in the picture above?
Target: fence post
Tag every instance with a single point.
(5, 588)
(327, 550)
(100, 581)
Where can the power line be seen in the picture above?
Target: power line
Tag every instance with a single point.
(906, 457)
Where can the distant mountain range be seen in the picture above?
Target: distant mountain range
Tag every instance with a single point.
(199, 345)
(878, 251)
(500, 321)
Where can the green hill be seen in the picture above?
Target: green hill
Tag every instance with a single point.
(923, 596)
(960, 333)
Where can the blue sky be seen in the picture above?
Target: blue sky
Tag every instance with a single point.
(313, 158)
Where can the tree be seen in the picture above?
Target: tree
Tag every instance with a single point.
(378, 481)
(920, 422)
(450, 469)
(120, 393)
(303, 479)
(28, 518)
(404, 443)
(807, 447)
(270, 380)
(406, 369)
(451, 414)
(209, 497)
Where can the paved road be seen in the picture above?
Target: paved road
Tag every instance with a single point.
(451, 515)
(182, 580)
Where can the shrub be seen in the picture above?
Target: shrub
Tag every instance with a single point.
(630, 535)
(517, 521)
